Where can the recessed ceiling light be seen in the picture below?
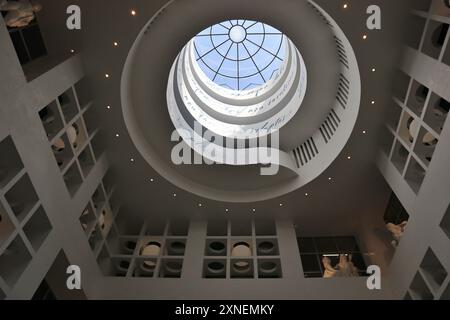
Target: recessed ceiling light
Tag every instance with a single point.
(329, 179)
(373, 69)
(132, 159)
(349, 157)
(345, 6)
(364, 131)
(226, 210)
(115, 44)
(106, 75)
(174, 194)
(133, 12)
(364, 37)
(117, 135)
(307, 194)
(372, 102)
(71, 50)
(152, 180)
(108, 107)
(200, 205)
(254, 210)
(281, 204)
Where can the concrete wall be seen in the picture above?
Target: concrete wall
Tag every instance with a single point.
(428, 206)
(192, 285)
(20, 102)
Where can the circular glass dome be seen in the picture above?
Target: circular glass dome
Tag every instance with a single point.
(240, 54)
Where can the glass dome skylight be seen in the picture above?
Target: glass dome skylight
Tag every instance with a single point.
(240, 54)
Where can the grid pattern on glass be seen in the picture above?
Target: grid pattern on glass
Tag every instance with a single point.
(240, 54)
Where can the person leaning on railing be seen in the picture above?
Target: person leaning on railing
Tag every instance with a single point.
(345, 267)
(20, 13)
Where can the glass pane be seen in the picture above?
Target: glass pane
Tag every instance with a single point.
(246, 52)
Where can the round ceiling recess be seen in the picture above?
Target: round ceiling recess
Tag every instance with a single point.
(260, 100)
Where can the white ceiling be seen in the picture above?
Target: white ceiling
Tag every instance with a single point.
(332, 206)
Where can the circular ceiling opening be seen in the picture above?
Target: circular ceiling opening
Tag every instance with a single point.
(311, 110)
(240, 54)
(237, 79)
